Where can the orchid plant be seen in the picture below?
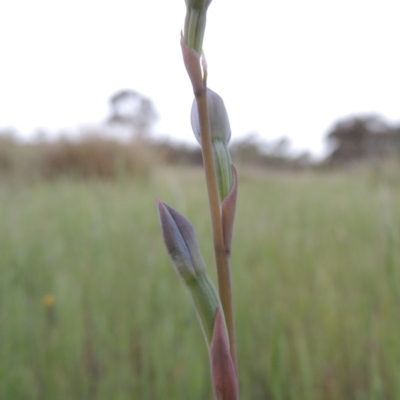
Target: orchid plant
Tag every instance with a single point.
(211, 128)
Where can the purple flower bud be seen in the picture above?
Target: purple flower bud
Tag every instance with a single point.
(181, 242)
(220, 128)
(183, 249)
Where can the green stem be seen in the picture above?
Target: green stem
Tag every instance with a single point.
(221, 255)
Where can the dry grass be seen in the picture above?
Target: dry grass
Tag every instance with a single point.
(92, 156)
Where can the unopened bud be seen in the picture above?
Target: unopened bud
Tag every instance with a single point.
(217, 115)
(183, 249)
(195, 23)
(181, 242)
(220, 131)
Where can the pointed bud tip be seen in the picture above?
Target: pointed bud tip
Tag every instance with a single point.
(181, 241)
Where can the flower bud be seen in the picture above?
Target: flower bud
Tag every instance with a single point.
(195, 23)
(220, 131)
(181, 242)
(183, 249)
(217, 115)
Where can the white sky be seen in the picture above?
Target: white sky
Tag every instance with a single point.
(284, 68)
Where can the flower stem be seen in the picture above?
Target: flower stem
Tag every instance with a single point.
(221, 254)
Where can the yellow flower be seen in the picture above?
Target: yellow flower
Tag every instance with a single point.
(48, 300)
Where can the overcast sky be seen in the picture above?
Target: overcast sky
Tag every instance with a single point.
(284, 68)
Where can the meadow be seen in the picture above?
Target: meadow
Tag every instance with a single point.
(91, 308)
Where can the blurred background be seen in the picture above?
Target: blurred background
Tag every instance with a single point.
(95, 124)
(285, 71)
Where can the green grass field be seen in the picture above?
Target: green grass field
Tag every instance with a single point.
(316, 278)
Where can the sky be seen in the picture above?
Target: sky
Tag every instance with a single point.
(284, 68)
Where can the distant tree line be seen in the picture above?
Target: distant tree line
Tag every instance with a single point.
(360, 138)
(100, 151)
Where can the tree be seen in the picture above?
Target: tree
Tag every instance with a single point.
(133, 110)
(359, 137)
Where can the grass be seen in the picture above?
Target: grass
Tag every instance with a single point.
(315, 274)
